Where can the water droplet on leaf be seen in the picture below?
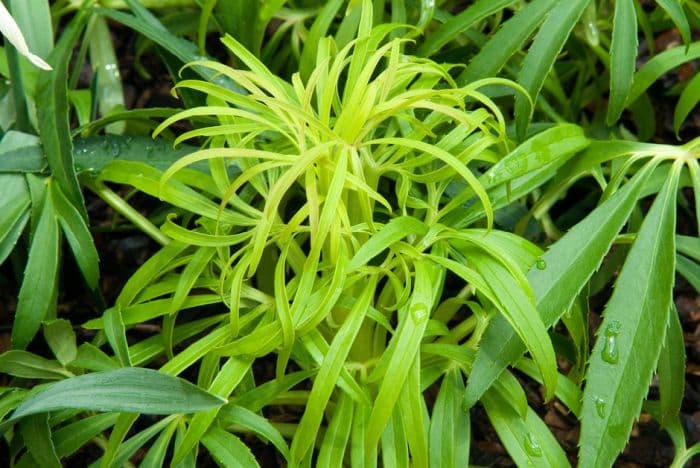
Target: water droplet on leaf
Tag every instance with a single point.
(532, 447)
(418, 312)
(541, 264)
(600, 407)
(611, 353)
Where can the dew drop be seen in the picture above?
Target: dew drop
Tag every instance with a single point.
(611, 353)
(541, 264)
(418, 312)
(600, 407)
(532, 447)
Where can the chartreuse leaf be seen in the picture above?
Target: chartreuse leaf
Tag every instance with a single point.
(394, 443)
(521, 314)
(506, 41)
(526, 437)
(623, 55)
(631, 334)
(414, 416)
(60, 337)
(392, 232)
(542, 53)
(569, 263)
(335, 440)
(36, 434)
(52, 113)
(134, 390)
(224, 383)
(414, 319)
(686, 102)
(459, 23)
(318, 30)
(328, 374)
(671, 370)
(78, 235)
(194, 268)
(38, 292)
(245, 418)
(690, 270)
(689, 246)
(227, 449)
(450, 428)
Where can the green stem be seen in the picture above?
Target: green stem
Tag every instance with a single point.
(126, 210)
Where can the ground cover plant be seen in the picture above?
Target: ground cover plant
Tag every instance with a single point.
(378, 230)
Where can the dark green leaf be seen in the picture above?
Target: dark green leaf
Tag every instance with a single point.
(131, 390)
(569, 263)
(30, 366)
(60, 337)
(631, 334)
(78, 236)
(460, 23)
(36, 433)
(38, 292)
(116, 334)
(672, 370)
(506, 41)
(542, 53)
(623, 55)
(52, 114)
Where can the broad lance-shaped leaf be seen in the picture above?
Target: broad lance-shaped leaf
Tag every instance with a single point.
(623, 54)
(569, 263)
(631, 335)
(131, 390)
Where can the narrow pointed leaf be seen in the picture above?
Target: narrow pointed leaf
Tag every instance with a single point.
(36, 433)
(508, 40)
(228, 450)
(543, 52)
(674, 9)
(672, 370)
(78, 236)
(527, 438)
(132, 390)
(623, 55)
(450, 430)
(37, 294)
(522, 316)
(631, 335)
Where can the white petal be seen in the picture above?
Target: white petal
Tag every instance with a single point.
(9, 29)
